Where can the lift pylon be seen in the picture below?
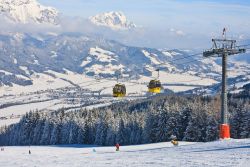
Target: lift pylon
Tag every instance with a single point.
(223, 48)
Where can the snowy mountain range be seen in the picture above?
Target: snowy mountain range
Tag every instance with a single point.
(94, 56)
(26, 11)
(113, 20)
(89, 55)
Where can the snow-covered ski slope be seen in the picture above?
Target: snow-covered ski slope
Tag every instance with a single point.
(228, 153)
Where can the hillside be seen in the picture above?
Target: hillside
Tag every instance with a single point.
(97, 57)
(151, 120)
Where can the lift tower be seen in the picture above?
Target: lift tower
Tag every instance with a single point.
(223, 48)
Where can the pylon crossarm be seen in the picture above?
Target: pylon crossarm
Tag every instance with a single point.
(219, 52)
(213, 52)
(209, 53)
(224, 40)
(242, 50)
(235, 51)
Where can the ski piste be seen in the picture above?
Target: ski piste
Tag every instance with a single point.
(228, 153)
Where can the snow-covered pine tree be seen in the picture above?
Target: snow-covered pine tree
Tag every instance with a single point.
(81, 133)
(121, 134)
(162, 129)
(101, 132)
(196, 129)
(111, 129)
(212, 129)
(245, 128)
(73, 132)
(171, 126)
(45, 138)
(90, 127)
(151, 127)
(236, 121)
(54, 135)
(183, 120)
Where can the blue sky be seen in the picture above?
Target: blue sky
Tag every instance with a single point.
(196, 18)
(87, 7)
(163, 12)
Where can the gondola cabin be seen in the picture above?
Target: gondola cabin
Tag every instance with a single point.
(119, 90)
(154, 86)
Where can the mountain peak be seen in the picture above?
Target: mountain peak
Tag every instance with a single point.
(113, 20)
(25, 11)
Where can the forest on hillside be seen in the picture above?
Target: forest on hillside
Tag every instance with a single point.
(190, 118)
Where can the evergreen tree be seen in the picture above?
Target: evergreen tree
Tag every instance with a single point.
(183, 121)
(212, 129)
(101, 133)
(121, 134)
(151, 128)
(236, 122)
(81, 134)
(162, 130)
(45, 138)
(245, 128)
(171, 127)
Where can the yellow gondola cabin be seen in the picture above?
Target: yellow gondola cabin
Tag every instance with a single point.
(154, 86)
(119, 90)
